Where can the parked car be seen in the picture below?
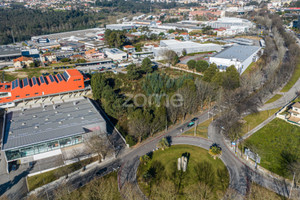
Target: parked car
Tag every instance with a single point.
(194, 119)
(190, 124)
(115, 72)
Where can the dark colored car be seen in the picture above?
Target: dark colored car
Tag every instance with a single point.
(194, 119)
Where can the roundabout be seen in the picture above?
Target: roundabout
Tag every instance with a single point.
(160, 176)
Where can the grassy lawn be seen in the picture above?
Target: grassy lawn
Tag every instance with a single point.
(274, 98)
(275, 143)
(293, 80)
(259, 192)
(164, 166)
(201, 129)
(255, 119)
(47, 177)
(8, 77)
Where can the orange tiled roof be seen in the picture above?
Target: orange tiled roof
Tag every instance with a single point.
(22, 59)
(92, 51)
(129, 46)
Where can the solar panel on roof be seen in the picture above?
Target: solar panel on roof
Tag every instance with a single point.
(42, 79)
(13, 84)
(66, 75)
(34, 81)
(59, 77)
(51, 78)
(25, 82)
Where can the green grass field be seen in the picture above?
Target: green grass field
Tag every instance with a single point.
(293, 80)
(201, 129)
(274, 143)
(274, 98)
(47, 177)
(168, 159)
(255, 119)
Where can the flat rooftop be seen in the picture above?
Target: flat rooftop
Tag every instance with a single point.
(37, 125)
(9, 50)
(184, 44)
(239, 52)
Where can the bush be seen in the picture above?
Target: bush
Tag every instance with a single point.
(130, 140)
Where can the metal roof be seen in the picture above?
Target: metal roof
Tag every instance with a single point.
(239, 52)
(37, 125)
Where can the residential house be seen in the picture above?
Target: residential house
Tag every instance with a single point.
(22, 62)
(50, 57)
(295, 113)
(129, 48)
(94, 54)
(185, 36)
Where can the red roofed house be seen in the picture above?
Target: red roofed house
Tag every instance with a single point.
(185, 36)
(129, 48)
(94, 54)
(17, 90)
(22, 62)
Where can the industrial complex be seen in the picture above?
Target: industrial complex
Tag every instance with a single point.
(41, 132)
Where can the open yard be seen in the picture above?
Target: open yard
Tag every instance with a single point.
(201, 129)
(276, 143)
(253, 120)
(159, 177)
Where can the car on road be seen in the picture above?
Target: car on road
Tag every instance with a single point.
(109, 68)
(115, 72)
(190, 124)
(194, 119)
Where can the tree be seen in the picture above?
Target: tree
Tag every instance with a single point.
(201, 65)
(215, 150)
(98, 82)
(210, 72)
(133, 72)
(171, 57)
(98, 144)
(205, 173)
(191, 64)
(139, 123)
(65, 60)
(165, 190)
(184, 53)
(146, 65)
(163, 143)
(199, 191)
(232, 78)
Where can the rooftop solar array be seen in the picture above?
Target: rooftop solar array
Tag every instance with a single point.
(25, 82)
(59, 77)
(66, 75)
(34, 81)
(36, 125)
(42, 79)
(51, 78)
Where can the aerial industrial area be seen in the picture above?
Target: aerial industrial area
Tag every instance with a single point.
(150, 100)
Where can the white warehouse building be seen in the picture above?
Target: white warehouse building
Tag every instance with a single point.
(241, 56)
(115, 54)
(179, 46)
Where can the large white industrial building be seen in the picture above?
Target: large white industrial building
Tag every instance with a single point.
(241, 56)
(179, 46)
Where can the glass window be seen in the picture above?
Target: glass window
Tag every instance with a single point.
(76, 139)
(41, 148)
(13, 154)
(53, 145)
(28, 151)
(65, 142)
